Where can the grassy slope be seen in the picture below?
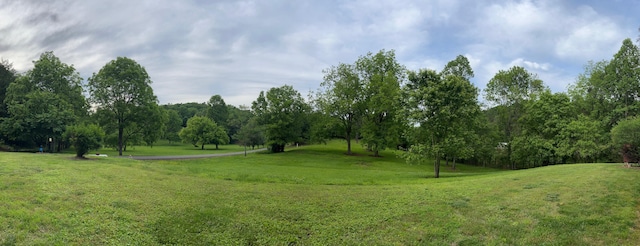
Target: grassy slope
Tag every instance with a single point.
(312, 195)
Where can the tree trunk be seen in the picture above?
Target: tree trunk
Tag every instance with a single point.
(120, 131)
(453, 163)
(348, 136)
(348, 143)
(437, 167)
(216, 146)
(202, 147)
(446, 161)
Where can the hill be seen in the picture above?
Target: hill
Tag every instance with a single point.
(312, 195)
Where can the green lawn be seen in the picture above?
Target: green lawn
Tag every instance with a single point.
(312, 195)
(164, 148)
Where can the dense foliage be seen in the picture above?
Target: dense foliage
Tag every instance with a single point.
(374, 100)
(84, 138)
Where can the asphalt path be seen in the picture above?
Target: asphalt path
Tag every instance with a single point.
(182, 157)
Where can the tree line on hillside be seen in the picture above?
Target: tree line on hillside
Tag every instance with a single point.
(375, 101)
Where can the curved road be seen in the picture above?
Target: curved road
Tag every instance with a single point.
(180, 157)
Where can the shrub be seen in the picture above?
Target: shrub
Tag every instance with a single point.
(84, 138)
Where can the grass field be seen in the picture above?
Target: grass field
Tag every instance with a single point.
(164, 148)
(313, 195)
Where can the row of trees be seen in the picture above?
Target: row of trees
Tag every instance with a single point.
(47, 106)
(437, 116)
(374, 100)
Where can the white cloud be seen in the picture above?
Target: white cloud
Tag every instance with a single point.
(193, 50)
(592, 37)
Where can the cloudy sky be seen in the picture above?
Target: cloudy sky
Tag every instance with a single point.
(195, 49)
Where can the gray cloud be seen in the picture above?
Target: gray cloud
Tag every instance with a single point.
(195, 49)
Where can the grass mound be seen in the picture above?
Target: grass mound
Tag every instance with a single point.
(312, 195)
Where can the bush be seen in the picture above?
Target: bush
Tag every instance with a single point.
(84, 138)
(626, 139)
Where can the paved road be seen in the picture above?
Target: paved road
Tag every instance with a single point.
(180, 157)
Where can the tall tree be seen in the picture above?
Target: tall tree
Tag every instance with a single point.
(543, 120)
(381, 75)
(590, 94)
(43, 101)
(39, 118)
(173, 126)
(583, 139)
(623, 73)
(444, 108)
(238, 117)
(342, 97)
(7, 76)
(217, 110)
(509, 90)
(459, 66)
(282, 112)
(122, 90)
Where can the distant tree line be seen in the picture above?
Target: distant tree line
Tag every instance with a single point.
(374, 101)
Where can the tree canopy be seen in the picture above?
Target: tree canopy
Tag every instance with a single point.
(122, 93)
(202, 130)
(282, 112)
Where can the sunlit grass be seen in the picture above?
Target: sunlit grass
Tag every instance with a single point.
(312, 195)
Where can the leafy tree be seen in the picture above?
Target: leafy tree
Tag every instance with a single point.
(217, 110)
(84, 138)
(202, 130)
(7, 76)
(485, 142)
(381, 75)
(122, 91)
(250, 134)
(342, 97)
(154, 124)
(459, 67)
(590, 93)
(42, 102)
(583, 139)
(188, 110)
(626, 139)
(444, 108)
(623, 73)
(238, 117)
(173, 126)
(220, 136)
(282, 113)
(543, 120)
(510, 90)
(39, 116)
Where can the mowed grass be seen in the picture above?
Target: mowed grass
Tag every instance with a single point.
(313, 195)
(164, 148)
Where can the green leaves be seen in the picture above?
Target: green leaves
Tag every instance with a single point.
(626, 139)
(444, 108)
(84, 138)
(283, 113)
(202, 130)
(43, 102)
(122, 93)
(381, 76)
